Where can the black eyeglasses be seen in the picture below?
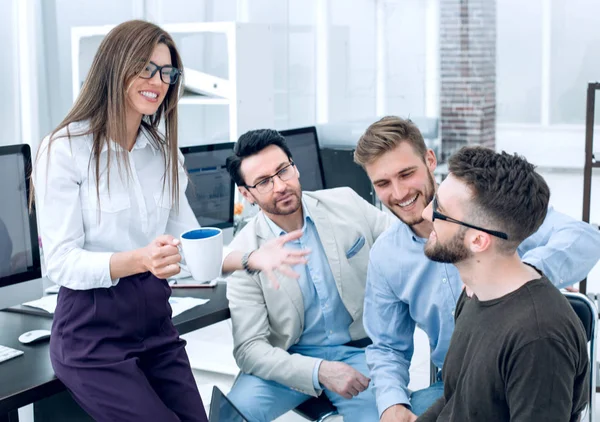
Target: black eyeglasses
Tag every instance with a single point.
(168, 73)
(440, 216)
(266, 184)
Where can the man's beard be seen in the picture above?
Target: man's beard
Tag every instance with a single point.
(426, 196)
(452, 252)
(274, 209)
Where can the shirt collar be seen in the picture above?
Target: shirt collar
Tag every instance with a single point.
(278, 231)
(409, 233)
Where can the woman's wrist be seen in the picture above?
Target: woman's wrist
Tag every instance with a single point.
(138, 260)
(127, 263)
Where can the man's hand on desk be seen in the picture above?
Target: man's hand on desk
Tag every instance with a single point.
(341, 378)
(398, 413)
(274, 256)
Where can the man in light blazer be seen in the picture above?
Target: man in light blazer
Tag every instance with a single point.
(302, 335)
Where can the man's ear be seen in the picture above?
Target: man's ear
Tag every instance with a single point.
(246, 194)
(479, 242)
(430, 160)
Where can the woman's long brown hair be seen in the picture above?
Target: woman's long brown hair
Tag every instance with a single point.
(122, 55)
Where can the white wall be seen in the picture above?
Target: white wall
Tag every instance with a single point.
(67, 14)
(545, 65)
(351, 58)
(519, 61)
(9, 80)
(406, 57)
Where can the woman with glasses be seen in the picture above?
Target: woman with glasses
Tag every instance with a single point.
(109, 185)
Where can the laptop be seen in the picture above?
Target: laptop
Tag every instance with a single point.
(222, 410)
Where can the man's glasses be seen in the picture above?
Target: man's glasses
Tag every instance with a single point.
(168, 73)
(440, 216)
(266, 184)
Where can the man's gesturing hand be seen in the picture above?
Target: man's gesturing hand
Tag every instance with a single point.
(274, 256)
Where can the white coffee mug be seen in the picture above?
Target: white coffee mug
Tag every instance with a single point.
(203, 252)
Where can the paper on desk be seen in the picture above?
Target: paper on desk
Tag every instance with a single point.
(178, 304)
(182, 304)
(47, 303)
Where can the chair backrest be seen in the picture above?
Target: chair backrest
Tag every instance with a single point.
(585, 313)
(588, 314)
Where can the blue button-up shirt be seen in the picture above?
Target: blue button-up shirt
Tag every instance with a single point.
(405, 289)
(326, 319)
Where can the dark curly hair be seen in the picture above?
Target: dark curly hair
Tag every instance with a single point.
(251, 143)
(508, 194)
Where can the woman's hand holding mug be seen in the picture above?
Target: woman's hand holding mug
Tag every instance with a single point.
(161, 257)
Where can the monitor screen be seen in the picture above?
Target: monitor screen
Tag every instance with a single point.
(19, 248)
(210, 190)
(304, 145)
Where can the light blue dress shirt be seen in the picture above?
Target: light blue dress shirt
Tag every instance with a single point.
(405, 289)
(326, 320)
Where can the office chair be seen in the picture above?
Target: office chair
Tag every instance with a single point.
(587, 313)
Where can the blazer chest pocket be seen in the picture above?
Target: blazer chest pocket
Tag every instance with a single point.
(356, 247)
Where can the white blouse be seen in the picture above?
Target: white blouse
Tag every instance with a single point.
(79, 234)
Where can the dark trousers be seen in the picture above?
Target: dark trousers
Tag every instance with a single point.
(120, 356)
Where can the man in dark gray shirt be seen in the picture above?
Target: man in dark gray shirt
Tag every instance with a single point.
(518, 351)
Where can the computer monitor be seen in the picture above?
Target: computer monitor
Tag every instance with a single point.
(20, 268)
(210, 191)
(341, 170)
(304, 145)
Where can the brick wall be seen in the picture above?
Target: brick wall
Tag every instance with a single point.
(468, 73)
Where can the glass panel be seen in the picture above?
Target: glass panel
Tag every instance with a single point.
(405, 57)
(575, 42)
(351, 60)
(519, 61)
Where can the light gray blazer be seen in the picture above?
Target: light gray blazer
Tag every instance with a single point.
(266, 321)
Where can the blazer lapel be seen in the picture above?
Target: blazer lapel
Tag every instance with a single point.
(327, 237)
(287, 284)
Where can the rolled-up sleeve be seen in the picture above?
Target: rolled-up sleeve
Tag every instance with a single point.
(563, 248)
(57, 182)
